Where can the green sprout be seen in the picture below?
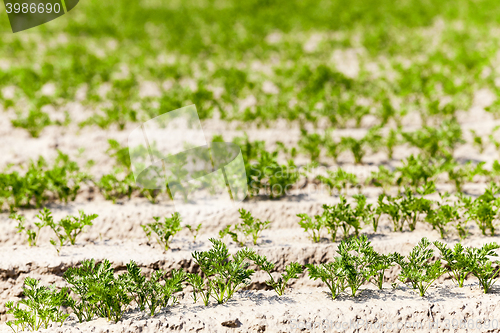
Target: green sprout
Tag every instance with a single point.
(249, 226)
(164, 231)
(418, 271)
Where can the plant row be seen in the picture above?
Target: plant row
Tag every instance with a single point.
(41, 183)
(405, 212)
(96, 290)
(339, 220)
(440, 141)
(68, 228)
(65, 230)
(325, 94)
(265, 175)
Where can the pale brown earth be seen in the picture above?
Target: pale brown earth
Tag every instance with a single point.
(117, 235)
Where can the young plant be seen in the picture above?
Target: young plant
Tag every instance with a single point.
(393, 209)
(484, 209)
(359, 147)
(339, 180)
(65, 178)
(31, 235)
(113, 188)
(45, 218)
(332, 274)
(194, 231)
(291, 272)
(68, 228)
(390, 142)
(383, 178)
(376, 213)
(442, 216)
(357, 256)
(41, 305)
(251, 150)
(494, 174)
(161, 294)
(267, 174)
(313, 227)
(249, 226)
(418, 271)
(411, 208)
(288, 152)
(152, 293)
(379, 264)
(484, 213)
(99, 292)
(341, 216)
(40, 183)
(462, 229)
(164, 231)
(477, 140)
(358, 113)
(465, 204)
(480, 265)
(311, 144)
(456, 260)
(491, 137)
(121, 154)
(417, 171)
(333, 148)
(436, 142)
(202, 288)
(34, 122)
(135, 283)
(152, 194)
(461, 174)
(356, 146)
(223, 275)
(386, 112)
(365, 212)
(233, 234)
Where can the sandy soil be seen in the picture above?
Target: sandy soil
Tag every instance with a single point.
(311, 309)
(117, 235)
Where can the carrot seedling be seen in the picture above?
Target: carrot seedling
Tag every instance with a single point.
(361, 263)
(40, 306)
(223, 274)
(418, 271)
(194, 231)
(332, 274)
(480, 265)
(98, 292)
(313, 227)
(68, 228)
(343, 216)
(356, 256)
(456, 260)
(45, 218)
(155, 292)
(202, 288)
(311, 143)
(249, 226)
(164, 231)
(291, 272)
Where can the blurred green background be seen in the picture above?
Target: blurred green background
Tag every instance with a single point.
(254, 60)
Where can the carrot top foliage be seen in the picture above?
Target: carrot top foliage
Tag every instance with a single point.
(95, 290)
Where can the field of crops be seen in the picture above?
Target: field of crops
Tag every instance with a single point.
(370, 134)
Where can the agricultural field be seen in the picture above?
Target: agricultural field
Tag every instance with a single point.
(370, 135)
